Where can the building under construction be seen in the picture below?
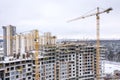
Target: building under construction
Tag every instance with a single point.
(55, 61)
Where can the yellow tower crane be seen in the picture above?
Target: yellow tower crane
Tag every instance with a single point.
(37, 76)
(97, 35)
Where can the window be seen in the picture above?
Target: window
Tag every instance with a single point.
(29, 69)
(29, 78)
(12, 68)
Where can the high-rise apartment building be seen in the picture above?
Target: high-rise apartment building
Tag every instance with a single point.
(8, 33)
(56, 61)
(61, 62)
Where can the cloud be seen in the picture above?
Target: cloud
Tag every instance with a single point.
(51, 16)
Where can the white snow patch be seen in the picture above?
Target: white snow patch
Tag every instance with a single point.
(111, 66)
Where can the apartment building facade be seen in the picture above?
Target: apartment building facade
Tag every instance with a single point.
(56, 62)
(8, 33)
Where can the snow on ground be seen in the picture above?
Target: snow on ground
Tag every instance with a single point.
(111, 66)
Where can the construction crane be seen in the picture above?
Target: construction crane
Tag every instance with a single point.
(37, 76)
(97, 35)
(36, 45)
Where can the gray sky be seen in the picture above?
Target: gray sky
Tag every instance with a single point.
(51, 16)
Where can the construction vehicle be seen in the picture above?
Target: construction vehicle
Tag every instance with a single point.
(97, 14)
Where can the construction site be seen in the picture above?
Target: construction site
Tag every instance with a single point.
(31, 56)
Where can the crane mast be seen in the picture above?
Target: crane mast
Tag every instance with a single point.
(36, 55)
(98, 45)
(97, 36)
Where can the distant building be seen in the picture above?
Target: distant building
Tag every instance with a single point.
(1, 48)
(8, 32)
(49, 39)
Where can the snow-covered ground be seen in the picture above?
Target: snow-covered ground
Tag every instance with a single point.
(111, 66)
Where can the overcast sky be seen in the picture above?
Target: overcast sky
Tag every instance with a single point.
(51, 16)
